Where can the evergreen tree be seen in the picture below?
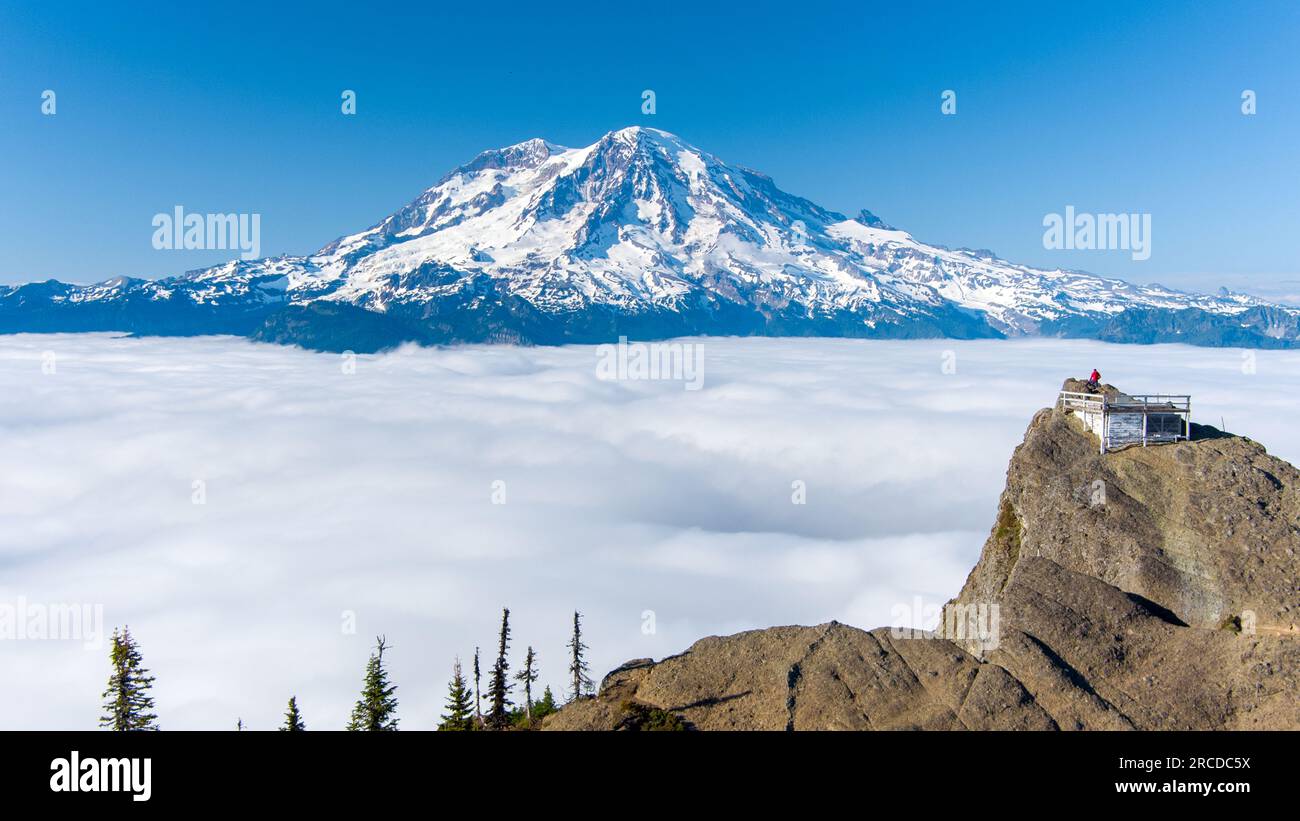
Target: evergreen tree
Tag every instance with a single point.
(545, 705)
(478, 695)
(528, 675)
(127, 702)
(498, 717)
(578, 669)
(542, 708)
(293, 718)
(460, 714)
(377, 707)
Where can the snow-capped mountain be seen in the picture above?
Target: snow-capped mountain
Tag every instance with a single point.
(639, 234)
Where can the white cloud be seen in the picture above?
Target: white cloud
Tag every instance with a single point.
(372, 492)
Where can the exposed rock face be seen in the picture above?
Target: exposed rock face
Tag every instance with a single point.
(1152, 588)
(1206, 529)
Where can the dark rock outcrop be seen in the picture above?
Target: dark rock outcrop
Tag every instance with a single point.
(1151, 588)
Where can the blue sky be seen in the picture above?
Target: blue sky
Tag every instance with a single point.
(1106, 107)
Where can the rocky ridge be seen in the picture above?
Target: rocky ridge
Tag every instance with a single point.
(1152, 588)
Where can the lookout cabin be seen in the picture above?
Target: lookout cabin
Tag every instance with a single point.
(1120, 420)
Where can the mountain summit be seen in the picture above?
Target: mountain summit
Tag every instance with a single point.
(1152, 588)
(639, 234)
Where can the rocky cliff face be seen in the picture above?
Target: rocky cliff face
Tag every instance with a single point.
(1151, 588)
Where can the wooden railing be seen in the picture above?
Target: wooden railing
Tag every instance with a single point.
(1123, 419)
(1073, 400)
(1168, 402)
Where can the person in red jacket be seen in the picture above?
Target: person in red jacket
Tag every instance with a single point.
(1094, 379)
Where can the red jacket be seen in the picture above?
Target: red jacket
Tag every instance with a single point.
(1096, 377)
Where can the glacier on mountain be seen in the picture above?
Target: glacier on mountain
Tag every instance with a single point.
(641, 235)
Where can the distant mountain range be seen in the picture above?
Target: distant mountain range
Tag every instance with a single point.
(641, 235)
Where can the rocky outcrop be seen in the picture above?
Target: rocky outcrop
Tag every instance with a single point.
(1082, 386)
(1151, 588)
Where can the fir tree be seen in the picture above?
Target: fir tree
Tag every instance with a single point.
(541, 708)
(528, 675)
(498, 717)
(127, 703)
(460, 713)
(293, 718)
(478, 695)
(545, 705)
(377, 707)
(578, 669)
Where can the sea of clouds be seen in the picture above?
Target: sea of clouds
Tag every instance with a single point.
(369, 491)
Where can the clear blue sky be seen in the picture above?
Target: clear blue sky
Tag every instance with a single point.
(1108, 107)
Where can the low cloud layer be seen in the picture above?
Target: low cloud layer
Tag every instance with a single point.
(664, 514)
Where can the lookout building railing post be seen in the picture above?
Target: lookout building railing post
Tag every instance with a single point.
(1121, 419)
